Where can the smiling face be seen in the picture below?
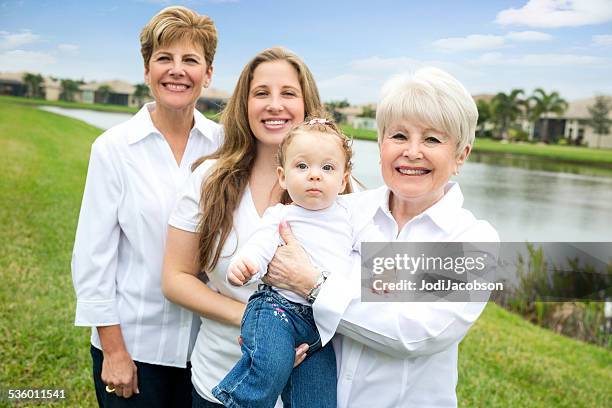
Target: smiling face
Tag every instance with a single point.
(176, 74)
(417, 162)
(275, 102)
(314, 171)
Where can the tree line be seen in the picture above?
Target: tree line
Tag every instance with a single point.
(69, 88)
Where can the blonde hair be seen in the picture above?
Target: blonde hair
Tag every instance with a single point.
(223, 188)
(317, 122)
(178, 23)
(432, 97)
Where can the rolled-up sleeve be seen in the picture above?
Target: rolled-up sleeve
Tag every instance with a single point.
(94, 257)
(400, 329)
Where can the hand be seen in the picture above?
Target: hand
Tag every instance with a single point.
(300, 354)
(291, 268)
(241, 271)
(119, 372)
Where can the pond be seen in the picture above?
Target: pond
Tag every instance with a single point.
(523, 199)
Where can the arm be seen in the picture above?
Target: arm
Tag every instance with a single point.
(94, 263)
(400, 329)
(181, 285)
(257, 252)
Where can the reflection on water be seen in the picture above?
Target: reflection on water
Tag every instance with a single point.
(535, 201)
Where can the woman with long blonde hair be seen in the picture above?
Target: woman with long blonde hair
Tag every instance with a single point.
(223, 203)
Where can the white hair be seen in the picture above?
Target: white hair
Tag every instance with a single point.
(431, 97)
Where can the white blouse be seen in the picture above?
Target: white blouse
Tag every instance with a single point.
(132, 185)
(216, 349)
(400, 354)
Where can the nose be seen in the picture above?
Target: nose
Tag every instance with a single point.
(412, 150)
(177, 68)
(314, 174)
(275, 104)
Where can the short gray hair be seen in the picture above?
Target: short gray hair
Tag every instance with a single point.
(433, 98)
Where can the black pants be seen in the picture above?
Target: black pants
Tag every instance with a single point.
(159, 386)
(199, 402)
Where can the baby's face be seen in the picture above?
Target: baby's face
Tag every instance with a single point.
(314, 172)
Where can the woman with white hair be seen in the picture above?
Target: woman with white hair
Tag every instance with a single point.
(400, 354)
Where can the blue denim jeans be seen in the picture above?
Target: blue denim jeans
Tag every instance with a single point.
(272, 327)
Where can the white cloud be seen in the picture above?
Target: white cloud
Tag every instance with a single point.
(471, 42)
(604, 39)
(385, 65)
(68, 48)
(557, 13)
(19, 60)
(10, 41)
(528, 36)
(362, 80)
(484, 42)
(538, 60)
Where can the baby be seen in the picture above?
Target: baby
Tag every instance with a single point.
(314, 167)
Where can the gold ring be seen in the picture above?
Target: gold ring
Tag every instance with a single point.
(109, 389)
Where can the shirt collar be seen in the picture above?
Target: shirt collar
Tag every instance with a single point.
(142, 125)
(443, 213)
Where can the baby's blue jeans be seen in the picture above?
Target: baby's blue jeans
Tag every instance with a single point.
(272, 327)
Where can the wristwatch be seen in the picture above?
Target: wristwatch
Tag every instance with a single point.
(314, 292)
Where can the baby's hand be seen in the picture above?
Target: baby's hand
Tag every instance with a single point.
(240, 271)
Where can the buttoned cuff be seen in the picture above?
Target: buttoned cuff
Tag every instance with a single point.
(94, 313)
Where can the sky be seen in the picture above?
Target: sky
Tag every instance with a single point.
(352, 47)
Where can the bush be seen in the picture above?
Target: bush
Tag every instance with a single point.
(581, 320)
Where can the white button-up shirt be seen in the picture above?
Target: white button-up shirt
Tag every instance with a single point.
(132, 185)
(394, 354)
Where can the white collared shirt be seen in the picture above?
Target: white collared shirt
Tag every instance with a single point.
(393, 354)
(132, 185)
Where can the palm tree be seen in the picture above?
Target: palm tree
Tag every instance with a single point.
(542, 103)
(103, 93)
(505, 109)
(69, 88)
(141, 92)
(33, 83)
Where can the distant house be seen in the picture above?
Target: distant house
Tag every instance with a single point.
(11, 83)
(121, 93)
(573, 125)
(212, 99)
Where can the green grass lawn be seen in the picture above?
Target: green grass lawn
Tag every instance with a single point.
(504, 361)
(570, 154)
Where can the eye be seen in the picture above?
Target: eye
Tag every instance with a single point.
(328, 167)
(302, 166)
(260, 93)
(399, 136)
(192, 60)
(432, 140)
(163, 58)
(290, 93)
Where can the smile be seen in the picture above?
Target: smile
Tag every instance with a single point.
(176, 87)
(413, 171)
(275, 123)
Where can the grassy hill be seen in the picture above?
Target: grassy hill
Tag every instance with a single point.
(504, 361)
